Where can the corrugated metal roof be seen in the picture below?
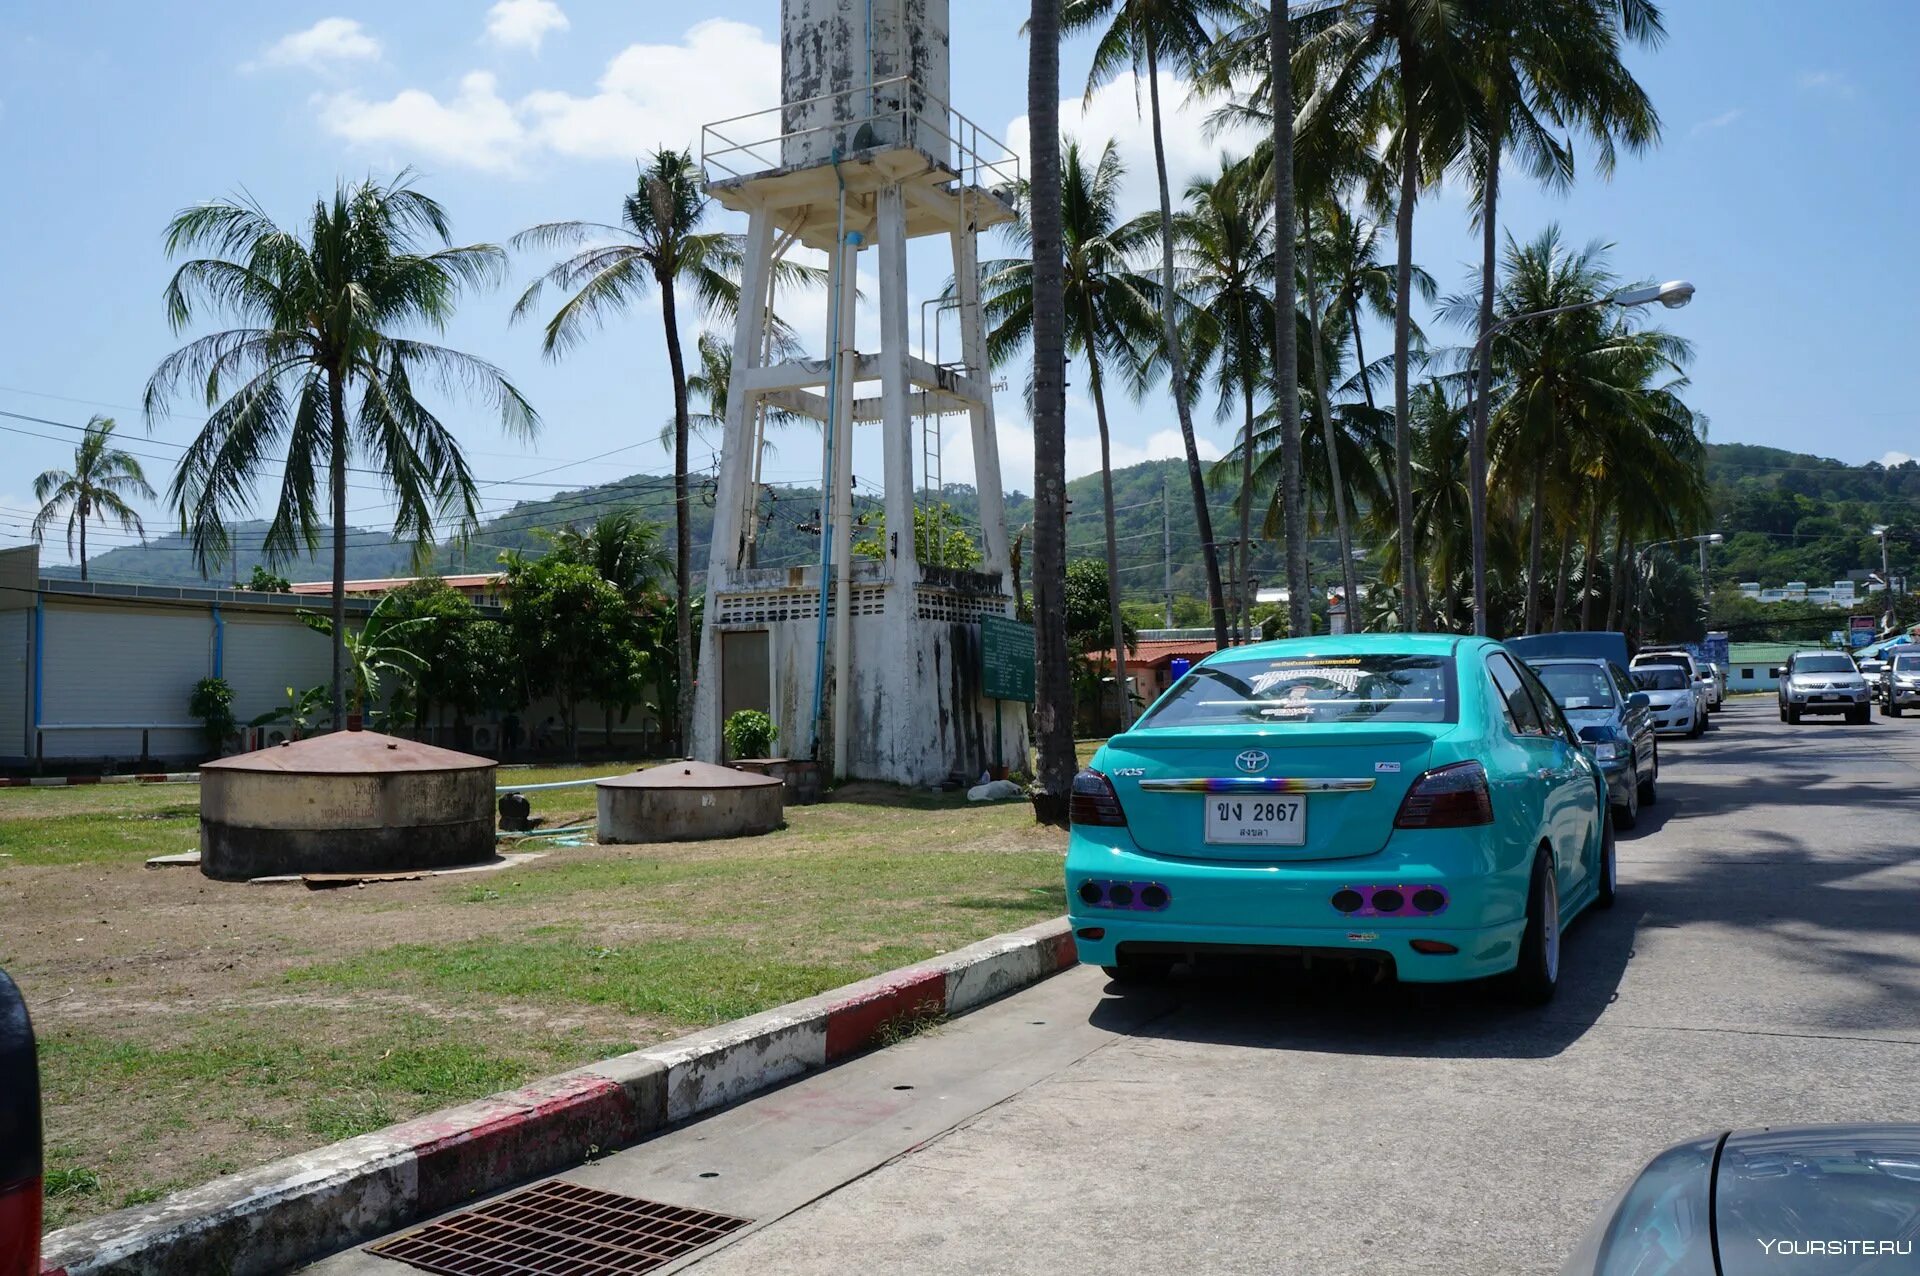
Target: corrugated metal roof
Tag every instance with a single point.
(388, 584)
(351, 753)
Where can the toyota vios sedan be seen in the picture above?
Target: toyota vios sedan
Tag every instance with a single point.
(1415, 803)
(1822, 682)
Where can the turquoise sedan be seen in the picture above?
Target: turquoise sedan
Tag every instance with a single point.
(1413, 802)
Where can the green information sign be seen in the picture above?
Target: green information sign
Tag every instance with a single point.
(1006, 658)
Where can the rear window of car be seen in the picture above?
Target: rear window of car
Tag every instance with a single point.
(1823, 664)
(1577, 686)
(1660, 678)
(1312, 689)
(1663, 658)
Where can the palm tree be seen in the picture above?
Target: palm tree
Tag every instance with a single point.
(97, 486)
(1539, 65)
(1286, 347)
(1226, 243)
(1561, 380)
(1109, 313)
(657, 246)
(323, 312)
(1053, 676)
(1147, 33)
(623, 547)
(1393, 65)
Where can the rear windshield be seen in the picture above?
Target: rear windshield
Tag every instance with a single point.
(1824, 664)
(1662, 658)
(1310, 689)
(1577, 686)
(1660, 678)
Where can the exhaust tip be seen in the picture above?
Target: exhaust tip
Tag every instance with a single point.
(1348, 900)
(1154, 896)
(1429, 900)
(1090, 892)
(1388, 900)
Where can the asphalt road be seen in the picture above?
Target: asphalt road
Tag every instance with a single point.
(1762, 966)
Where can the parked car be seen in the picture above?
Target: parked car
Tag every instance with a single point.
(20, 1164)
(1697, 677)
(1717, 693)
(1872, 660)
(1900, 683)
(1673, 699)
(1615, 725)
(1814, 1198)
(1415, 803)
(1594, 644)
(1822, 682)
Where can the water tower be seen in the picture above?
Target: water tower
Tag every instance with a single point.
(874, 666)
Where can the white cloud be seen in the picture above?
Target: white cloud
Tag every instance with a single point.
(524, 24)
(1836, 83)
(1119, 112)
(649, 95)
(1892, 459)
(477, 127)
(1717, 122)
(328, 43)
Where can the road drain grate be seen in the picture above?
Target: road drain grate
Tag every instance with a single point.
(559, 1229)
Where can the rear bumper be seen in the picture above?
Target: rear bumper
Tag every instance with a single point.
(1286, 909)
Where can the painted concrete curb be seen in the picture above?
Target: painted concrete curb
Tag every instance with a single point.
(297, 1209)
(68, 781)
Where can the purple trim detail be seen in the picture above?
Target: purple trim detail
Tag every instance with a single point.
(1134, 904)
(1406, 893)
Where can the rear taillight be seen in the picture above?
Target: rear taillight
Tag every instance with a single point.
(20, 1228)
(1447, 797)
(1094, 801)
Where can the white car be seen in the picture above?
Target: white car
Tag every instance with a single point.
(1698, 677)
(1673, 698)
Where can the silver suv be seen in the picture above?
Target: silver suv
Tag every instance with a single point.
(1822, 682)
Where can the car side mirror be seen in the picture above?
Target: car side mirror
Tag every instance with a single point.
(1639, 700)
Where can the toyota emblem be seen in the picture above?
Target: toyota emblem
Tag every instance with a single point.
(1251, 760)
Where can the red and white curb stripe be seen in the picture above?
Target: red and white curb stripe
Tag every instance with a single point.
(68, 781)
(297, 1209)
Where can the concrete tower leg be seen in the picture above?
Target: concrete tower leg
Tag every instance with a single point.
(736, 468)
(898, 676)
(842, 526)
(986, 445)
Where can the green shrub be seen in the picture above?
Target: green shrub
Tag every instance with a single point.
(212, 703)
(749, 735)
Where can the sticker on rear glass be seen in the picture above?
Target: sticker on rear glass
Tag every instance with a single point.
(1386, 768)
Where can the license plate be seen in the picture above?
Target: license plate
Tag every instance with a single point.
(1257, 821)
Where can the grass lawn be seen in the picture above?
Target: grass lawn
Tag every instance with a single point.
(190, 1028)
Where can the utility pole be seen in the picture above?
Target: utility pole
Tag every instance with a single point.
(1166, 548)
(1706, 593)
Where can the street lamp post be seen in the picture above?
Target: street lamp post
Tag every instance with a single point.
(1672, 295)
(1886, 575)
(1646, 549)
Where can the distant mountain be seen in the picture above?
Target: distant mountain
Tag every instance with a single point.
(1786, 516)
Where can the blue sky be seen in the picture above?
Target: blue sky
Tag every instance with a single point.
(1784, 189)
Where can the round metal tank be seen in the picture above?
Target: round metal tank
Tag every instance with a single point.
(349, 802)
(687, 802)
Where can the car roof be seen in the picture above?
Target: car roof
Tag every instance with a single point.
(1350, 645)
(1820, 651)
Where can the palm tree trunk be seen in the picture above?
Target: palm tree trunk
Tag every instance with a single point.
(1113, 544)
(1483, 385)
(1403, 342)
(1534, 548)
(1560, 581)
(1590, 586)
(1322, 396)
(1287, 337)
(1176, 359)
(682, 521)
(337, 481)
(1244, 603)
(1617, 587)
(1053, 677)
(1359, 350)
(83, 538)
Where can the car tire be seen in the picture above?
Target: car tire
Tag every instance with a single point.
(1699, 726)
(1860, 716)
(1609, 867)
(1891, 709)
(1532, 982)
(1138, 972)
(1783, 713)
(1627, 814)
(1793, 715)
